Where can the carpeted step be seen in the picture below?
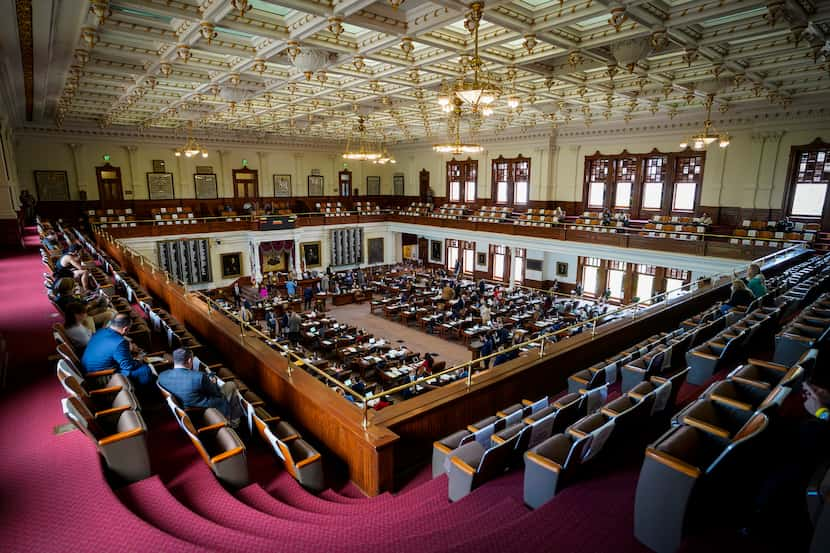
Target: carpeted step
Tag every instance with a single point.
(337, 497)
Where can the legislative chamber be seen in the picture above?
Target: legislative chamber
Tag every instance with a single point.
(427, 275)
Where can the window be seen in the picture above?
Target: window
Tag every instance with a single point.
(452, 255)
(655, 176)
(675, 279)
(511, 180)
(807, 192)
(462, 180)
(519, 265)
(688, 175)
(469, 253)
(616, 279)
(590, 275)
(645, 282)
(625, 171)
(498, 254)
(597, 181)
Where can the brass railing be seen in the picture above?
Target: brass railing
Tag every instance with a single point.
(467, 368)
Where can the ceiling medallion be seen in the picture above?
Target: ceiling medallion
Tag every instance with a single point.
(406, 46)
(708, 134)
(183, 52)
(90, 36)
(165, 68)
(358, 63)
(241, 5)
(191, 147)
(618, 16)
(259, 66)
(530, 43)
(396, 3)
(659, 39)
(336, 26)
(208, 31)
(101, 10)
(234, 79)
(81, 56)
(293, 49)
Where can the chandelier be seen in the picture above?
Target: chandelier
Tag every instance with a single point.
(384, 158)
(479, 93)
(363, 150)
(456, 147)
(709, 134)
(191, 148)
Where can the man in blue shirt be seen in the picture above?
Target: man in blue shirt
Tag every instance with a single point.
(195, 388)
(108, 349)
(291, 288)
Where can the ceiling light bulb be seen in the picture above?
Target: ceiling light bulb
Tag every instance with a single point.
(178, 154)
(487, 112)
(698, 144)
(512, 102)
(709, 139)
(443, 100)
(724, 141)
(487, 98)
(204, 154)
(188, 154)
(447, 108)
(684, 145)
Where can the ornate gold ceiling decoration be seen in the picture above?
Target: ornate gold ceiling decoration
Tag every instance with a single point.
(261, 67)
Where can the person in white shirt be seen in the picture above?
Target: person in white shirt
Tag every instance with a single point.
(78, 332)
(485, 314)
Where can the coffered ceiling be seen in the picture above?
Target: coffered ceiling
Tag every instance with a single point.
(309, 68)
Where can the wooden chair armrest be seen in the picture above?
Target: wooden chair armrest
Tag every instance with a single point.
(797, 338)
(308, 461)
(441, 447)
(578, 379)
(111, 411)
(634, 369)
(458, 462)
(105, 391)
(120, 436)
(706, 427)
(102, 372)
(576, 433)
(227, 454)
(208, 428)
(527, 402)
(705, 355)
(733, 402)
(608, 412)
(673, 462)
(543, 461)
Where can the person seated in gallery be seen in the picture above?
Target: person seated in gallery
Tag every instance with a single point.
(70, 265)
(784, 225)
(109, 348)
(74, 323)
(194, 388)
(559, 213)
(98, 310)
(706, 220)
(741, 297)
(606, 217)
(50, 240)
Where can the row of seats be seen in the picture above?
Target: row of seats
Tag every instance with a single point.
(767, 225)
(416, 209)
(810, 329)
(772, 239)
(450, 211)
(331, 209)
(675, 231)
(676, 219)
(492, 214)
(367, 208)
(536, 220)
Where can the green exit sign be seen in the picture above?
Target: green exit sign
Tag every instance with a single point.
(244, 163)
(106, 157)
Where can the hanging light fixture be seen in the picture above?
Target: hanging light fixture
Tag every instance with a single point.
(456, 147)
(478, 93)
(191, 148)
(363, 151)
(708, 135)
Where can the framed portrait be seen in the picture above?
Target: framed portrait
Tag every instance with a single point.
(52, 185)
(375, 250)
(160, 186)
(311, 254)
(231, 264)
(315, 185)
(561, 269)
(481, 258)
(373, 186)
(159, 166)
(436, 247)
(206, 186)
(282, 186)
(397, 185)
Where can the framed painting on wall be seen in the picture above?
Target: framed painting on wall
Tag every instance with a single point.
(373, 186)
(561, 269)
(435, 249)
(231, 264)
(282, 186)
(206, 186)
(311, 254)
(315, 185)
(52, 185)
(375, 250)
(481, 258)
(160, 186)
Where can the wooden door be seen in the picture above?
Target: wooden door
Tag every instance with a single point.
(245, 183)
(423, 182)
(423, 250)
(344, 179)
(109, 183)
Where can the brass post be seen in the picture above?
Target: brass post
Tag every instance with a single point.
(542, 347)
(365, 414)
(469, 376)
(242, 329)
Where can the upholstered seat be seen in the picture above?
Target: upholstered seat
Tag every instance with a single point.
(472, 465)
(95, 380)
(120, 437)
(221, 449)
(101, 400)
(300, 459)
(690, 476)
(549, 465)
(707, 359)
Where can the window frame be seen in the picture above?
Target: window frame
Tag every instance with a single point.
(466, 173)
(697, 180)
(512, 168)
(792, 171)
